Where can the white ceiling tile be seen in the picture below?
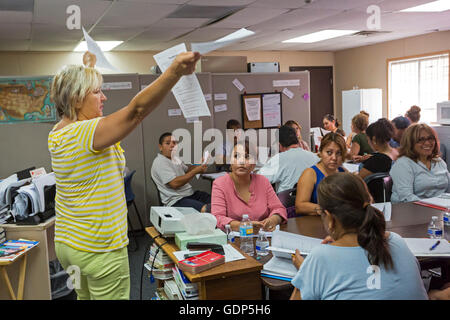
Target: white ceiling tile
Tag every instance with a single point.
(342, 4)
(278, 4)
(248, 16)
(15, 31)
(134, 14)
(219, 2)
(405, 21)
(206, 34)
(397, 5)
(181, 22)
(294, 18)
(51, 32)
(54, 12)
(161, 34)
(115, 33)
(16, 16)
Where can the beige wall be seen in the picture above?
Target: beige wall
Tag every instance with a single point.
(365, 67)
(44, 63)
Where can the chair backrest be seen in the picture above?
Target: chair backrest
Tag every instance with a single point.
(129, 194)
(157, 192)
(380, 186)
(443, 150)
(287, 198)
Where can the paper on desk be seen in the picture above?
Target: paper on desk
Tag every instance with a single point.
(231, 254)
(386, 208)
(214, 175)
(280, 267)
(205, 47)
(351, 167)
(95, 49)
(292, 241)
(421, 247)
(187, 90)
(443, 201)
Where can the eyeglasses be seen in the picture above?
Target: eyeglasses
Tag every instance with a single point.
(423, 139)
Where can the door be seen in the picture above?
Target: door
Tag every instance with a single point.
(321, 92)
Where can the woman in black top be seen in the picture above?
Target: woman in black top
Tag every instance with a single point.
(379, 134)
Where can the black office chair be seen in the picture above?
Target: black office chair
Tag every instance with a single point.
(287, 198)
(157, 193)
(129, 196)
(380, 186)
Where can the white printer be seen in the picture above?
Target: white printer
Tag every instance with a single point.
(167, 220)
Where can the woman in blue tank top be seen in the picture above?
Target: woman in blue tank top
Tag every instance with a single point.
(332, 153)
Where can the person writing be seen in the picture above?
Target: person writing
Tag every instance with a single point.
(419, 172)
(88, 162)
(332, 153)
(243, 192)
(359, 260)
(379, 134)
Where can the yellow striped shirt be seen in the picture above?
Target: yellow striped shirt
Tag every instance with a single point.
(90, 205)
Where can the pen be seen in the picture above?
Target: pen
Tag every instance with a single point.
(435, 245)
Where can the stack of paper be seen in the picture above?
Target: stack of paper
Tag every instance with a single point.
(12, 249)
(442, 202)
(188, 290)
(283, 247)
(420, 247)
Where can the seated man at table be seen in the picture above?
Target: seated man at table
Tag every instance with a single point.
(286, 167)
(172, 177)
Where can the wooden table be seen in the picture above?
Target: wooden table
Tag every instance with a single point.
(236, 280)
(37, 282)
(409, 220)
(22, 272)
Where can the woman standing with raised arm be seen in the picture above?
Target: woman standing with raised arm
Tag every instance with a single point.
(91, 210)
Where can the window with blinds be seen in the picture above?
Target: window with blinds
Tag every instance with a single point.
(420, 81)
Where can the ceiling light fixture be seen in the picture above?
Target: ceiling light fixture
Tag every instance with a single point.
(104, 45)
(320, 36)
(435, 6)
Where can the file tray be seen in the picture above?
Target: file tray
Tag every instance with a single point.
(217, 237)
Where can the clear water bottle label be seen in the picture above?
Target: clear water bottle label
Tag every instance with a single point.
(246, 231)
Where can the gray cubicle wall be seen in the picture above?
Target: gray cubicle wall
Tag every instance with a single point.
(117, 98)
(296, 108)
(159, 122)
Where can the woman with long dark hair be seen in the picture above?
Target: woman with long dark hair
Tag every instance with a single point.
(359, 259)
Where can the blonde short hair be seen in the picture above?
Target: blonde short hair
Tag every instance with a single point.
(71, 85)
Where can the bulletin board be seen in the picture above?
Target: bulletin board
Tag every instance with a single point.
(261, 110)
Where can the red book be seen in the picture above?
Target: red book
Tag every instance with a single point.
(201, 262)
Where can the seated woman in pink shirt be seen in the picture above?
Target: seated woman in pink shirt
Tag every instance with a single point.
(243, 192)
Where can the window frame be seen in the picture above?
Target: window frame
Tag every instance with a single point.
(412, 57)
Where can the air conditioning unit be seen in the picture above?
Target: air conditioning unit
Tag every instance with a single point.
(263, 67)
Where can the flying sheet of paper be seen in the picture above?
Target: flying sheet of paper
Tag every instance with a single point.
(187, 90)
(253, 108)
(205, 47)
(93, 47)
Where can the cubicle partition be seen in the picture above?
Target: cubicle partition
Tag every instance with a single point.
(166, 118)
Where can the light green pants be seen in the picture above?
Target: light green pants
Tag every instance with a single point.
(96, 276)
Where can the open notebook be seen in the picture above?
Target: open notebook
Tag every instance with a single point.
(283, 246)
(421, 247)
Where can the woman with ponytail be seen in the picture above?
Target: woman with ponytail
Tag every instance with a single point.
(359, 259)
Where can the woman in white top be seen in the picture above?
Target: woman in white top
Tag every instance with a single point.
(419, 172)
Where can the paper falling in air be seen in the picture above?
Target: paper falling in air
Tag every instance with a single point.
(205, 47)
(93, 48)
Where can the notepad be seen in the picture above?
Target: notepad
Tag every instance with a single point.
(442, 202)
(421, 247)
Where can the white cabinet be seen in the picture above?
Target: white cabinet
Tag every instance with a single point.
(354, 101)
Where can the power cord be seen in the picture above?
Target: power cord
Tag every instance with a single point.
(147, 249)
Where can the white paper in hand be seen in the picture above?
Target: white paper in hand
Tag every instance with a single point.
(93, 47)
(205, 47)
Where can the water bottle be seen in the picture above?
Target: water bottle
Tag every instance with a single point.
(435, 228)
(229, 232)
(261, 244)
(246, 235)
(446, 218)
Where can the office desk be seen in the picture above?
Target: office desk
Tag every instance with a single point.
(236, 280)
(409, 220)
(37, 280)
